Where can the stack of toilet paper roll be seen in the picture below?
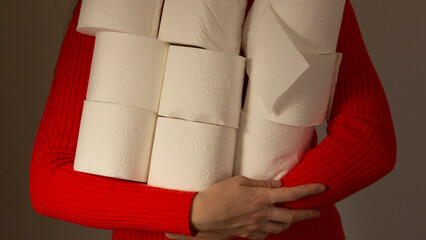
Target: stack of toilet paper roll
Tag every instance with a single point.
(166, 111)
(196, 133)
(292, 66)
(159, 113)
(123, 94)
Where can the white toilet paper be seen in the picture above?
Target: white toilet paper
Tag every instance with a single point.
(273, 62)
(312, 25)
(210, 24)
(305, 103)
(115, 141)
(254, 15)
(127, 69)
(333, 85)
(203, 85)
(267, 150)
(191, 156)
(130, 16)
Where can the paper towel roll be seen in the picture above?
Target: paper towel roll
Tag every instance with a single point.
(210, 24)
(127, 69)
(273, 62)
(131, 16)
(191, 156)
(305, 103)
(115, 141)
(312, 25)
(267, 150)
(203, 85)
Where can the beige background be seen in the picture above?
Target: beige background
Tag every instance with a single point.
(394, 32)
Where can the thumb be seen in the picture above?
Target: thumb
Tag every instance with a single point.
(260, 183)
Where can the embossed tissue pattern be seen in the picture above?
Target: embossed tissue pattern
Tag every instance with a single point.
(303, 26)
(305, 102)
(211, 24)
(273, 62)
(127, 69)
(115, 141)
(267, 150)
(202, 85)
(312, 25)
(139, 17)
(191, 156)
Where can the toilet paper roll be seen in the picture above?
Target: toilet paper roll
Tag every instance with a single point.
(273, 62)
(137, 17)
(312, 25)
(203, 85)
(333, 85)
(127, 69)
(256, 12)
(191, 156)
(305, 103)
(115, 141)
(268, 150)
(210, 24)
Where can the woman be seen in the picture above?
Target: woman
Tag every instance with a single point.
(359, 150)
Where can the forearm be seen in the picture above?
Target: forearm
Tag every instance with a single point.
(58, 191)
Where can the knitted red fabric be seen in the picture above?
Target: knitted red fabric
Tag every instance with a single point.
(359, 150)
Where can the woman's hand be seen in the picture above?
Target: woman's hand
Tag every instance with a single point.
(244, 207)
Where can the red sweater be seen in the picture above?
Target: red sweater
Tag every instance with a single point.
(359, 150)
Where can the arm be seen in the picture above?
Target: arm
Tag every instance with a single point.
(360, 147)
(56, 190)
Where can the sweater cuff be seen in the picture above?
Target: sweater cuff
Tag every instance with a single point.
(178, 213)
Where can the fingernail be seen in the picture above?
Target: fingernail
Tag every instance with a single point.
(321, 188)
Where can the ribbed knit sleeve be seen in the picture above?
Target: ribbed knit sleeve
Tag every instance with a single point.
(360, 147)
(58, 191)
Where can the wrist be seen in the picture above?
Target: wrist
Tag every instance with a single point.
(194, 230)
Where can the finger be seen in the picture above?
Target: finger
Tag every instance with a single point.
(274, 227)
(289, 216)
(176, 236)
(288, 194)
(257, 235)
(245, 181)
(213, 236)
(250, 231)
